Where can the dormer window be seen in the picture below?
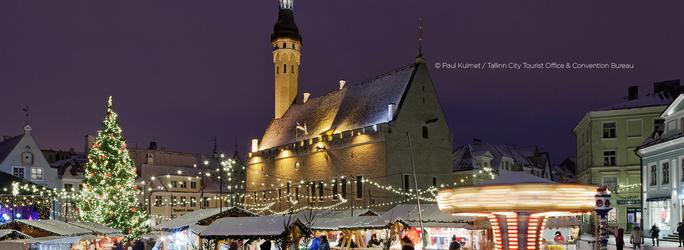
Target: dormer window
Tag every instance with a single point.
(27, 158)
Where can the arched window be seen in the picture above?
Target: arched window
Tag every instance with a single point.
(285, 68)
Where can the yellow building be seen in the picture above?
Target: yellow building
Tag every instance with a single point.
(351, 144)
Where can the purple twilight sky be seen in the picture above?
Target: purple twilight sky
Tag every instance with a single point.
(182, 72)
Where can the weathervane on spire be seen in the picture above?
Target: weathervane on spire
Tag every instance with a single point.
(286, 4)
(419, 58)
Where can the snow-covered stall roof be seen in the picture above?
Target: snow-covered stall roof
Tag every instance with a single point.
(11, 233)
(96, 228)
(197, 216)
(274, 226)
(431, 215)
(352, 107)
(53, 227)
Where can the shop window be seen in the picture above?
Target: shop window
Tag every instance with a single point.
(205, 202)
(183, 201)
(173, 201)
(193, 201)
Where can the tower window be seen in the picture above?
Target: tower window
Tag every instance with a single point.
(285, 68)
(292, 69)
(284, 45)
(426, 132)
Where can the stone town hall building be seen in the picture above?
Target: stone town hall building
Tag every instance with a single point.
(318, 149)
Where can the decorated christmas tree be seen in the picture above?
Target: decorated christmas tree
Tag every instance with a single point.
(109, 194)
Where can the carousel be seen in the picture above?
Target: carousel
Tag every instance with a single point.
(518, 206)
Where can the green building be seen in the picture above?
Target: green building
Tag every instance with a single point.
(606, 139)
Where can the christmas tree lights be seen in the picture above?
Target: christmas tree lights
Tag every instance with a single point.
(109, 194)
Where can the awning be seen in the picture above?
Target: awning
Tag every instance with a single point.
(658, 198)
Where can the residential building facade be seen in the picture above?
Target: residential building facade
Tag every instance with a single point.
(20, 156)
(662, 162)
(606, 140)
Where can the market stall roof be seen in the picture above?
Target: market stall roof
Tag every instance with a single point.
(274, 226)
(53, 227)
(430, 214)
(11, 233)
(96, 228)
(54, 240)
(337, 221)
(201, 217)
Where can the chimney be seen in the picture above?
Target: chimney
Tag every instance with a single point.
(153, 145)
(477, 141)
(632, 93)
(306, 97)
(255, 145)
(342, 83)
(391, 109)
(6, 137)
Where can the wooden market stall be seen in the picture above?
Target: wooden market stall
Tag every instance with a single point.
(283, 230)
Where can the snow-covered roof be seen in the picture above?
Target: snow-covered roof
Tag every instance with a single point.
(6, 146)
(352, 107)
(641, 102)
(5, 233)
(251, 227)
(430, 213)
(55, 227)
(194, 217)
(526, 156)
(96, 228)
(509, 178)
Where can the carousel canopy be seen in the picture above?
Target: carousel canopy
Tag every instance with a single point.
(274, 226)
(430, 214)
(200, 217)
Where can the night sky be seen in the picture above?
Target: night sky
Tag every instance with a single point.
(184, 72)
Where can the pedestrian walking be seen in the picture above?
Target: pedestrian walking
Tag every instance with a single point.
(324, 244)
(680, 232)
(637, 238)
(655, 233)
(407, 244)
(454, 245)
(620, 239)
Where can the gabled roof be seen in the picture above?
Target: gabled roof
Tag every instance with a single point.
(526, 156)
(267, 227)
(197, 216)
(96, 228)
(6, 146)
(641, 102)
(352, 107)
(54, 227)
(11, 233)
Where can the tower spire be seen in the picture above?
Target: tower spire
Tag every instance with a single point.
(287, 45)
(419, 58)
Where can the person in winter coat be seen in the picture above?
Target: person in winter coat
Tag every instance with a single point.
(266, 245)
(620, 239)
(406, 244)
(454, 245)
(373, 242)
(680, 231)
(655, 233)
(315, 243)
(637, 238)
(324, 244)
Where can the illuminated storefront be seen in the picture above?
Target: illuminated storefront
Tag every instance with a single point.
(660, 212)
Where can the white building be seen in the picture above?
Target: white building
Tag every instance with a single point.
(662, 163)
(20, 156)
